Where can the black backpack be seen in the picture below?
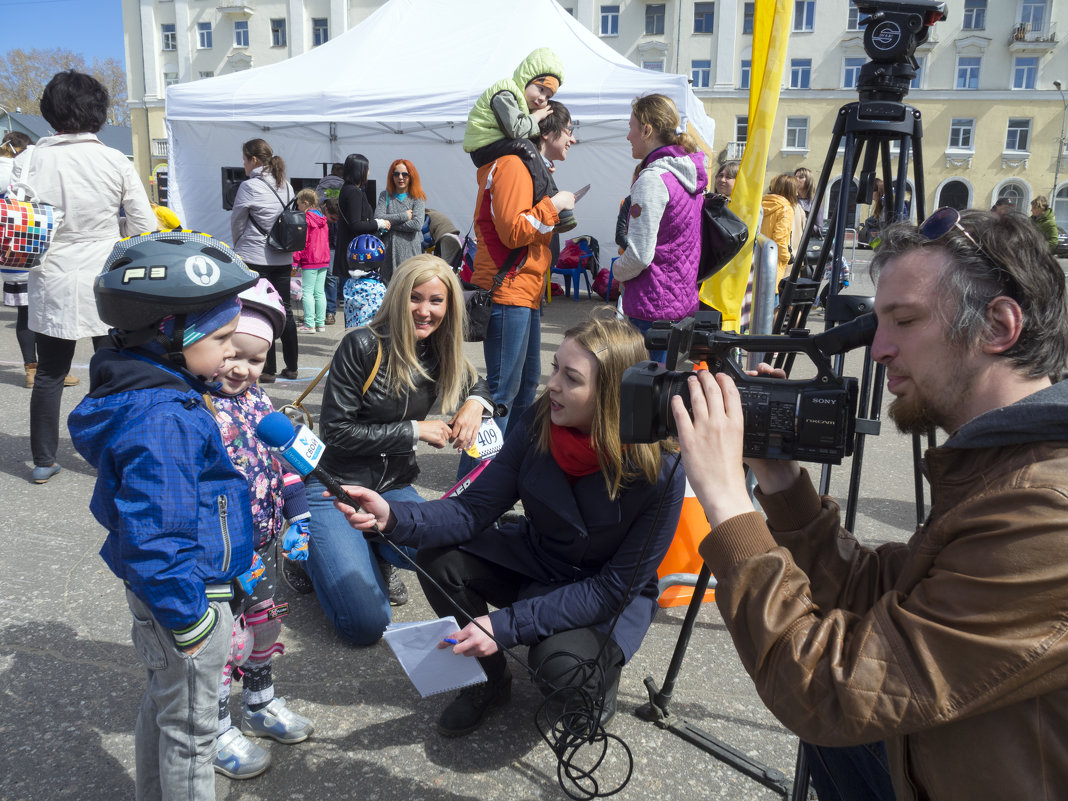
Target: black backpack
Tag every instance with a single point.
(290, 230)
(722, 235)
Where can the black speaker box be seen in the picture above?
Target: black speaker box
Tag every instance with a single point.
(231, 180)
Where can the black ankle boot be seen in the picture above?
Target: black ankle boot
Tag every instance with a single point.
(470, 707)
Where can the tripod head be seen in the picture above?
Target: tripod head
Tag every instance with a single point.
(893, 30)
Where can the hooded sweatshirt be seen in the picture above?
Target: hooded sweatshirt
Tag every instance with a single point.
(316, 253)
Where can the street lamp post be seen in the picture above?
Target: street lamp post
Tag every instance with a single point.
(1060, 149)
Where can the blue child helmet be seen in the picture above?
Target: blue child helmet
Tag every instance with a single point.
(365, 248)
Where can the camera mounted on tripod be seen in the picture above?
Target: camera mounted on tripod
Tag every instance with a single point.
(811, 420)
(892, 32)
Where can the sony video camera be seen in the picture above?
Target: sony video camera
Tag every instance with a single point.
(811, 420)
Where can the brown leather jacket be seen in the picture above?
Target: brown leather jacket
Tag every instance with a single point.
(953, 647)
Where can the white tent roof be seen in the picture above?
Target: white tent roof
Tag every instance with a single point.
(400, 85)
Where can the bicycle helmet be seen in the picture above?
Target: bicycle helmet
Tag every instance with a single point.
(264, 298)
(153, 276)
(366, 248)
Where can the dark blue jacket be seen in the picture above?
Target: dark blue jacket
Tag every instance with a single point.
(578, 547)
(176, 510)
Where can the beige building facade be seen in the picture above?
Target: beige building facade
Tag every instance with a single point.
(992, 117)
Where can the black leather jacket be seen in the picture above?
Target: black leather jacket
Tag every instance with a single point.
(369, 436)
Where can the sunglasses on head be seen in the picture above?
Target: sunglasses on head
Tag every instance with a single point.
(947, 219)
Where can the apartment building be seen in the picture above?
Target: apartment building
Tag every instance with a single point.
(992, 115)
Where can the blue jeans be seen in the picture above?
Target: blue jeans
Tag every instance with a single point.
(856, 773)
(330, 288)
(643, 326)
(513, 359)
(343, 567)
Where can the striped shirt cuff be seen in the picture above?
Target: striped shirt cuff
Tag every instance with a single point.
(198, 632)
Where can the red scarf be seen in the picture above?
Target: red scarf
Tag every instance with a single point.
(573, 452)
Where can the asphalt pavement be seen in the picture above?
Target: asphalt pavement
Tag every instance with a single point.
(72, 682)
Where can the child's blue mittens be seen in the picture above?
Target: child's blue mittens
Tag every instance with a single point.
(251, 577)
(295, 541)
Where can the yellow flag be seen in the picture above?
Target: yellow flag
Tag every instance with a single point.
(771, 28)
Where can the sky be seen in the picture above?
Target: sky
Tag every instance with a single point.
(92, 28)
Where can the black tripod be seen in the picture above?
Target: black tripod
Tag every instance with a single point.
(867, 129)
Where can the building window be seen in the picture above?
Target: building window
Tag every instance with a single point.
(278, 33)
(1019, 134)
(741, 128)
(744, 72)
(974, 15)
(747, 17)
(1033, 15)
(917, 82)
(800, 73)
(804, 14)
(204, 36)
(170, 38)
(962, 134)
(206, 74)
(968, 72)
(654, 19)
(1024, 72)
(704, 17)
(653, 66)
(701, 73)
(609, 20)
(241, 33)
(797, 133)
(169, 79)
(851, 72)
(855, 20)
(320, 31)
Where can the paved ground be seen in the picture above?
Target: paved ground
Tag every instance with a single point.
(71, 682)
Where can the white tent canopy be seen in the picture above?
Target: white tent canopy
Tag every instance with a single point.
(400, 85)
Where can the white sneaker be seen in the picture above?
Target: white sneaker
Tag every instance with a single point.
(238, 757)
(277, 722)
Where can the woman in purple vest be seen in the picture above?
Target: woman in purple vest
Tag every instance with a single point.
(658, 268)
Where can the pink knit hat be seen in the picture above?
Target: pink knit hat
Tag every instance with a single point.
(256, 324)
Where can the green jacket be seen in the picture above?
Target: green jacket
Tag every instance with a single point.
(1047, 226)
(484, 126)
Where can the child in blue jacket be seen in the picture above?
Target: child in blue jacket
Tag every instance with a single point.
(176, 510)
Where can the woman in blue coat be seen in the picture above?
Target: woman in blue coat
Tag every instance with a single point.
(599, 517)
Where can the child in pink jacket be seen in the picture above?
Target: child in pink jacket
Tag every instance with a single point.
(314, 263)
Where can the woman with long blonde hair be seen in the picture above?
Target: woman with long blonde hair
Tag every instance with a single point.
(574, 578)
(383, 381)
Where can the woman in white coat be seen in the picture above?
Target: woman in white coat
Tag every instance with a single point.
(257, 204)
(74, 171)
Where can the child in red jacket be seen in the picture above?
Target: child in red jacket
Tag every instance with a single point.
(314, 263)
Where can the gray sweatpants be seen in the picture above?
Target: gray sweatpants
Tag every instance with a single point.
(177, 722)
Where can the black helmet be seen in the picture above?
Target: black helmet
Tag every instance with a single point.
(153, 276)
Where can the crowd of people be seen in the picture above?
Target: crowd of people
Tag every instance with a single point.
(929, 669)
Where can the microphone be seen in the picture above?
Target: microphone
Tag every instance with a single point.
(301, 449)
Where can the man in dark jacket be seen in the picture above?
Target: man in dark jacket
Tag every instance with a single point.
(951, 649)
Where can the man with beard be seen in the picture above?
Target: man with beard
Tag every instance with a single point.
(940, 664)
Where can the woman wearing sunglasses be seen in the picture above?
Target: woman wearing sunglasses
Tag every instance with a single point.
(403, 204)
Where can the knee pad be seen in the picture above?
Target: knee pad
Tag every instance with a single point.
(265, 624)
(240, 644)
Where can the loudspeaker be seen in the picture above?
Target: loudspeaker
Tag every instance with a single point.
(231, 180)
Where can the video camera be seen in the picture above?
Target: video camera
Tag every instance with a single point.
(811, 420)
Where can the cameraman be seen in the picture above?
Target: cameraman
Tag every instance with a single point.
(953, 648)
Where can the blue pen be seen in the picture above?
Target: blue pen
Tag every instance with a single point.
(451, 641)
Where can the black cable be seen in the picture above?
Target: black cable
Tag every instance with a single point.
(569, 719)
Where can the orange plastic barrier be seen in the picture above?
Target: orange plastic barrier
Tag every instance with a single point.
(682, 556)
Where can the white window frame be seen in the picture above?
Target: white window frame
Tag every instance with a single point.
(962, 134)
(973, 71)
(800, 73)
(1024, 76)
(610, 20)
(169, 79)
(1028, 9)
(974, 17)
(204, 36)
(745, 73)
(320, 31)
(741, 128)
(205, 74)
(168, 38)
(748, 18)
(1014, 132)
(279, 35)
(706, 14)
(656, 18)
(917, 82)
(851, 71)
(804, 16)
(701, 77)
(796, 134)
(241, 27)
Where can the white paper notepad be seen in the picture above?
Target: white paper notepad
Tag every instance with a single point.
(431, 669)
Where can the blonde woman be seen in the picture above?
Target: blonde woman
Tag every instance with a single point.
(383, 380)
(598, 520)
